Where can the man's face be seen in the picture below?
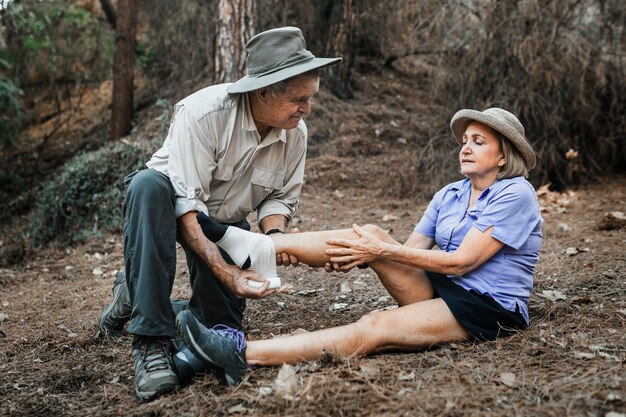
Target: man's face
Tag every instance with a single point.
(286, 110)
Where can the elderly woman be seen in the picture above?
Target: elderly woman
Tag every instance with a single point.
(465, 273)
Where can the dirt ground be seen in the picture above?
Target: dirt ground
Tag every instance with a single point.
(571, 361)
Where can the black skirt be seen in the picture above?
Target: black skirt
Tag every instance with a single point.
(479, 314)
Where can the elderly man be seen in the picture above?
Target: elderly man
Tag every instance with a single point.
(231, 149)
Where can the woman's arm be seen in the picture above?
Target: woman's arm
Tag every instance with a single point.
(476, 248)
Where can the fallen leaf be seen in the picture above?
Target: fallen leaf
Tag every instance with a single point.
(308, 292)
(571, 154)
(618, 215)
(553, 295)
(366, 371)
(389, 218)
(239, 408)
(406, 376)
(299, 331)
(286, 383)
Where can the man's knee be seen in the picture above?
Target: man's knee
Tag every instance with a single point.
(148, 183)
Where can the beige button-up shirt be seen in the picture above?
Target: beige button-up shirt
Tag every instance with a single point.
(218, 164)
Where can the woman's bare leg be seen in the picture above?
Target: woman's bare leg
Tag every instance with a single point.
(310, 247)
(411, 327)
(405, 284)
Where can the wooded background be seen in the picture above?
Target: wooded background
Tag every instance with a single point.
(76, 76)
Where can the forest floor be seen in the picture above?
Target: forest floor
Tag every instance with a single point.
(570, 362)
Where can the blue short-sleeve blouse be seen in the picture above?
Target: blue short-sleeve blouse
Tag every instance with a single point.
(511, 207)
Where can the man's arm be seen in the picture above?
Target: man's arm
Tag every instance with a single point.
(234, 278)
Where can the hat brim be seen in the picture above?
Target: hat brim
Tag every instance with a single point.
(251, 83)
(463, 118)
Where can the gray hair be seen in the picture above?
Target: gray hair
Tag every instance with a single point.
(280, 87)
(515, 165)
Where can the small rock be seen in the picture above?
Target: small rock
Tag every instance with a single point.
(97, 271)
(339, 306)
(508, 379)
(345, 288)
(565, 227)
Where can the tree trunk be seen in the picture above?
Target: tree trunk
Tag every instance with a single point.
(343, 17)
(122, 113)
(109, 12)
(236, 25)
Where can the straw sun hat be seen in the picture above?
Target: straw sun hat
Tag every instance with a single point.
(500, 120)
(275, 55)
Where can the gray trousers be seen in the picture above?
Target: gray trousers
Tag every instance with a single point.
(150, 235)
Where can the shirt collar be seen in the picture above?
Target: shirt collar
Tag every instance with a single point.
(463, 187)
(248, 124)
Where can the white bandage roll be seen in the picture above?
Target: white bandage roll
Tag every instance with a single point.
(274, 283)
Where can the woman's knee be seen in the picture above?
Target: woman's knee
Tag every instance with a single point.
(378, 232)
(372, 326)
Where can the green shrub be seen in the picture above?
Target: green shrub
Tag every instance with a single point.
(86, 196)
(11, 112)
(57, 40)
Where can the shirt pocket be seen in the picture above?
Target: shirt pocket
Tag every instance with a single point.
(223, 172)
(264, 182)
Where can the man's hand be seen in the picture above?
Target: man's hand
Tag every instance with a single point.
(238, 282)
(232, 276)
(284, 259)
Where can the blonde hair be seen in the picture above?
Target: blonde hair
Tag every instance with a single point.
(514, 165)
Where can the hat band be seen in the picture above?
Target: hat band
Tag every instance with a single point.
(262, 71)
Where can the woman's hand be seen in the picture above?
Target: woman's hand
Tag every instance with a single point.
(367, 248)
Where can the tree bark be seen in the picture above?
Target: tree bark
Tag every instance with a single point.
(123, 60)
(236, 24)
(339, 43)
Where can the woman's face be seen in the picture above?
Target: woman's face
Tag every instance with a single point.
(481, 155)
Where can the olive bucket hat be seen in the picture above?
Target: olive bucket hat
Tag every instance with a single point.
(274, 56)
(499, 120)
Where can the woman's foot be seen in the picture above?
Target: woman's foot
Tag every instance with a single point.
(248, 250)
(221, 346)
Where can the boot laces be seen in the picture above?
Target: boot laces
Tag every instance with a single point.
(155, 355)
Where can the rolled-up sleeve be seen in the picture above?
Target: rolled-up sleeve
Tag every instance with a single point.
(285, 200)
(428, 223)
(513, 213)
(191, 162)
